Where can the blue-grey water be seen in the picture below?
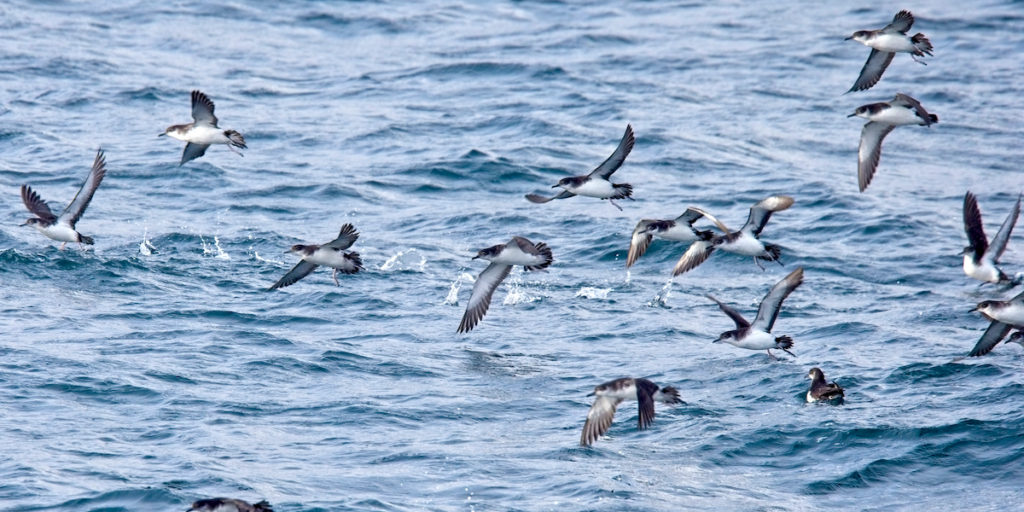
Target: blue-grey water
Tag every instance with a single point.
(154, 369)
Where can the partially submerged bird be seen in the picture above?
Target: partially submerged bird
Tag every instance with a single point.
(885, 43)
(883, 118)
(203, 131)
(757, 335)
(229, 505)
(62, 228)
(610, 394)
(822, 391)
(1005, 315)
(680, 229)
(746, 241)
(332, 254)
(596, 183)
(980, 257)
(518, 251)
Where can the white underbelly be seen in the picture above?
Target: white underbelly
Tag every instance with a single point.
(59, 232)
(596, 187)
(1013, 315)
(512, 255)
(206, 135)
(677, 233)
(328, 258)
(892, 43)
(985, 272)
(757, 340)
(745, 245)
(897, 116)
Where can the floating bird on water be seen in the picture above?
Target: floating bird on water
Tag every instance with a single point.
(610, 394)
(757, 335)
(519, 251)
(203, 132)
(680, 229)
(822, 391)
(229, 505)
(62, 228)
(882, 119)
(596, 183)
(980, 257)
(745, 241)
(885, 43)
(1005, 316)
(332, 254)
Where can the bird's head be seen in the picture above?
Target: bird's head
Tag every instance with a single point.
(726, 337)
(860, 36)
(815, 374)
(31, 222)
(175, 131)
(488, 253)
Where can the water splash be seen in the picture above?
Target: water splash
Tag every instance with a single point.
(452, 299)
(590, 292)
(215, 250)
(661, 299)
(402, 261)
(146, 247)
(517, 293)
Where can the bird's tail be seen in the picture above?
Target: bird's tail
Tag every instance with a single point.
(87, 240)
(921, 44)
(548, 258)
(932, 118)
(670, 395)
(262, 506)
(356, 260)
(784, 342)
(622, 191)
(773, 251)
(705, 235)
(235, 139)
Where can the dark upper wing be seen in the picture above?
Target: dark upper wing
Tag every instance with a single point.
(691, 211)
(202, 109)
(762, 211)
(599, 419)
(993, 335)
(973, 226)
(870, 151)
(900, 23)
(36, 205)
(735, 315)
(480, 299)
(872, 71)
(346, 237)
(911, 103)
(1003, 236)
(300, 270)
(639, 243)
(526, 246)
(193, 151)
(772, 303)
(534, 198)
(645, 391)
(613, 162)
(698, 253)
(77, 206)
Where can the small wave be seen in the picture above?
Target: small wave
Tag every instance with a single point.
(590, 292)
(214, 250)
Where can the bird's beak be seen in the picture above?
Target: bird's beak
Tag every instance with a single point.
(24, 223)
(848, 38)
(851, 115)
(475, 257)
(554, 186)
(287, 252)
(972, 310)
(590, 394)
(161, 135)
(719, 340)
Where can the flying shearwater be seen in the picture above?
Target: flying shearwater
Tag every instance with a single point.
(1005, 315)
(745, 241)
(229, 505)
(332, 254)
(822, 391)
(596, 183)
(885, 43)
(680, 229)
(757, 335)
(62, 228)
(610, 394)
(882, 119)
(980, 257)
(203, 132)
(519, 251)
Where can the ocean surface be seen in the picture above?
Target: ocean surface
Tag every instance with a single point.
(154, 368)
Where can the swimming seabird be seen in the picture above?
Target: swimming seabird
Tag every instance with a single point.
(745, 241)
(610, 394)
(229, 505)
(680, 229)
(757, 335)
(332, 254)
(62, 228)
(203, 131)
(519, 251)
(980, 257)
(822, 391)
(596, 183)
(1005, 315)
(885, 43)
(883, 118)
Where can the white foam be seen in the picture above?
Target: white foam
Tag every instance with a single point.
(590, 292)
(215, 250)
(146, 247)
(661, 299)
(405, 260)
